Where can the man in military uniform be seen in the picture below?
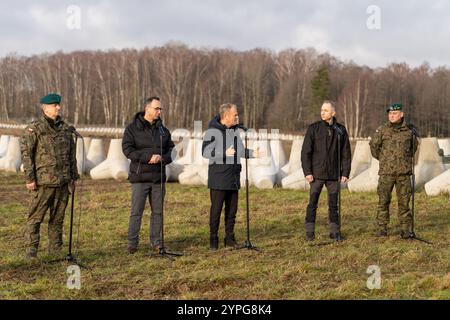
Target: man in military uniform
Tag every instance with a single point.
(394, 145)
(49, 162)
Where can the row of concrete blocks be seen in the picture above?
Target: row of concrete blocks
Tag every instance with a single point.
(273, 169)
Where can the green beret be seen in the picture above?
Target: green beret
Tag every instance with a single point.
(394, 107)
(51, 99)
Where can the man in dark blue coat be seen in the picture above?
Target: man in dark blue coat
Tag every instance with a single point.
(223, 147)
(142, 145)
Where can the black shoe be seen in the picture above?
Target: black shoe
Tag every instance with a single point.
(214, 243)
(382, 233)
(230, 241)
(407, 235)
(310, 236)
(132, 249)
(31, 255)
(336, 236)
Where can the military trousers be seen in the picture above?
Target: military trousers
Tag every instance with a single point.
(402, 185)
(55, 200)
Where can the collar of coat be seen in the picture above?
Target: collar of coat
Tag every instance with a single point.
(55, 124)
(398, 126)
(215, 123)
(141, 123)
(330, 125)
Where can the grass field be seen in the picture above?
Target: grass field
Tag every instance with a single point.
(288, 268)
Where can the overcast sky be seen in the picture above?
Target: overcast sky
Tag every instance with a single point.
(410, 31)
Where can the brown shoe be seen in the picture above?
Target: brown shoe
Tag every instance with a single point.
(156, 248)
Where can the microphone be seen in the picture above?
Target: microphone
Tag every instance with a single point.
(241, 126)
(75, 132)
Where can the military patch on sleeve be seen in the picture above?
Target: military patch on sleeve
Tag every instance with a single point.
(29, 130)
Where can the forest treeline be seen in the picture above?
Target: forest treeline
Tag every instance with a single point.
(282, 90)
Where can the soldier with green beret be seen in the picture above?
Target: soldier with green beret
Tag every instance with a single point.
(49, 162)
(394, 145)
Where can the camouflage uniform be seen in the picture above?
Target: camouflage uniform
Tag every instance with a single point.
(392, 145)
(49, 160)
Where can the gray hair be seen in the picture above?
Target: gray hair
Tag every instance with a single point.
(331, 103)
(225, 108)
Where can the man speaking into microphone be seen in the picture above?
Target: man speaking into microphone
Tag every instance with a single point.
(223, 147)
(143, 140)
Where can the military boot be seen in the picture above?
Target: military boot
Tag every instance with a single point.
(382, 233)
(310, 234)
(31, 254)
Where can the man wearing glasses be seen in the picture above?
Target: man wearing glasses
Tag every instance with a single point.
(142, 145)
(50, 165)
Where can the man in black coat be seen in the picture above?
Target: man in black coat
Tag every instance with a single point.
(142, 145)
(320, 167)
(223, 147)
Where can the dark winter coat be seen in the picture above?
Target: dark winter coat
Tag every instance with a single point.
(140, 141)
(223, 172)
(320, 151)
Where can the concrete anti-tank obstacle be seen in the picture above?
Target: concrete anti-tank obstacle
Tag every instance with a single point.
(196, 172)
(444, 144)
(438, 185)
(263, 170)
(182, 154)
(367, 181)
(179, 164)
(279, 159)
(12, 160)
(82, 154)
(293, 173)
(243, 171)
(95, 155)
(362, 158)
(429, 162)
(4, 140)
(295, 161)
(115, 166)
(295, 180)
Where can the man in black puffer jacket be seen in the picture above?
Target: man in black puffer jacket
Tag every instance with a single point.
(142, 145)
(320, 167)
(223, 147)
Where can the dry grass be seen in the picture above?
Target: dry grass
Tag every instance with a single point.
(288, 268)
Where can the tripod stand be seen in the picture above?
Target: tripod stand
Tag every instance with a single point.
(338, 236)
(414, 135)
(162, 253)
(247, 245)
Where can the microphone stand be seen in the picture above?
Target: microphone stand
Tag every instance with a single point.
(70, 258)
(414, 135)
(247, 245)
(162, 253)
